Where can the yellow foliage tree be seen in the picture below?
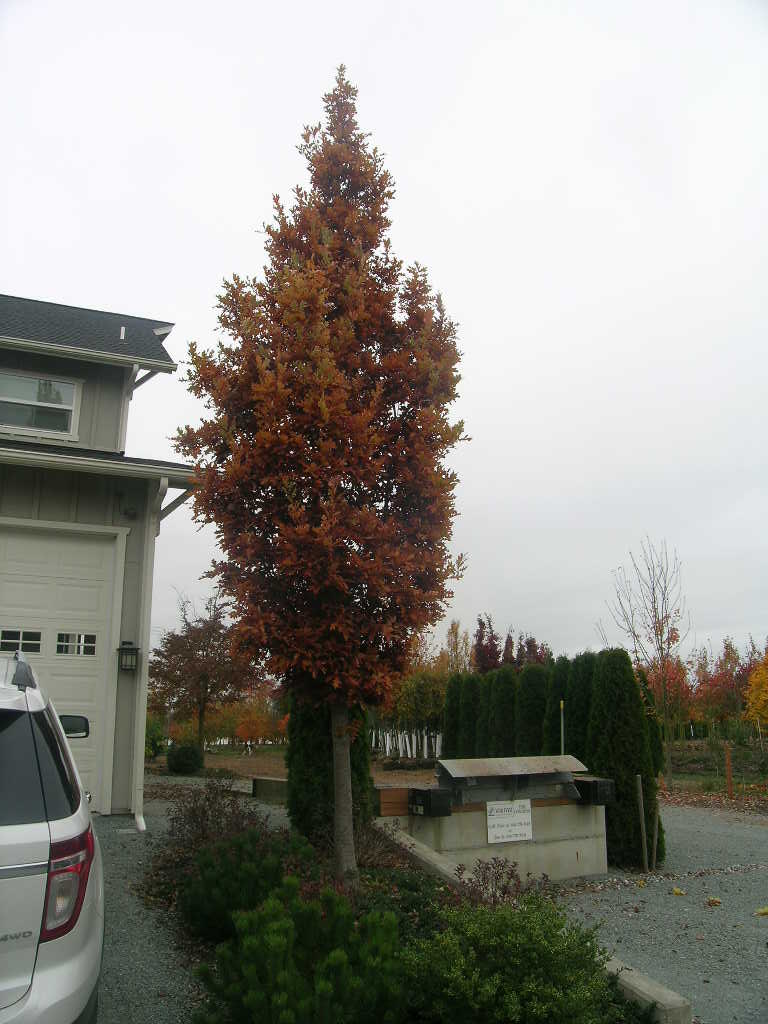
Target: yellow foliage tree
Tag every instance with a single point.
(757, 693)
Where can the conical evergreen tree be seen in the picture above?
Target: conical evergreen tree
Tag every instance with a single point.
(468, 715)
(578, 702)
(310, 768)
(530, 708)
(451, 715)
(502, 712)
(652, 722)
(482, 737)
(618, 743)
(558, 686)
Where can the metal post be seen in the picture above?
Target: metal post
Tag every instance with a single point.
(655, 836)
(639, 780)
(562, 728)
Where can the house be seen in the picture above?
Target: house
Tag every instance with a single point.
(78, 523)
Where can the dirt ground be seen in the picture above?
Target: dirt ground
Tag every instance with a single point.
(270, 763)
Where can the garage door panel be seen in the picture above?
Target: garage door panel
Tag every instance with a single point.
(56, 582)
(83, 597)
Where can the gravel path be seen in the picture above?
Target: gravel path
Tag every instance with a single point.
(146, 977)
(717, 955)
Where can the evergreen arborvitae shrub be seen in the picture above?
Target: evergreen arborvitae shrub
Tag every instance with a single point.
(653, 724)
(617, 742)
(468, 715)
(309, 761)
(451, 714)
(558, 686)
(482, 739)
(184, 758)
(529, 711)
(578, 702)
(502, 716)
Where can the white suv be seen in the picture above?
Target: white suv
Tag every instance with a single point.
(51, 882)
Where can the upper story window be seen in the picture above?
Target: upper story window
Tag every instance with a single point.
(31, 404)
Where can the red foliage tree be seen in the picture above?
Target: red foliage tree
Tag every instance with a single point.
(486, 651)
(194, 669)
(321, 461)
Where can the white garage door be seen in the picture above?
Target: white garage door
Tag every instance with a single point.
(56, 592)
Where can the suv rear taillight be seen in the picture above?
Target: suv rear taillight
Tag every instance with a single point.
(68, 871)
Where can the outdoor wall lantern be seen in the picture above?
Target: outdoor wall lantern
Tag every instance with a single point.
(128, 656)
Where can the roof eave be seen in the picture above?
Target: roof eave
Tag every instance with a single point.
(87, 355)
(181, 478)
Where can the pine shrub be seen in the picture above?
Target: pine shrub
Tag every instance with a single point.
(239, 873)
(468, 715)
(530, 708)
(617, 743)
(502, 716)
(482, 738)
(184, 758)
(307, 962)
(309, 761)
(578, 703)
(558, 686)
(451, 716)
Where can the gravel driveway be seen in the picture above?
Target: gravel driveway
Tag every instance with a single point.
(145, 979)
(716, 956)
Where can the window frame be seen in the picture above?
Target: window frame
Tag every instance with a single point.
(21, 630)
(79, 645)
(73, 433)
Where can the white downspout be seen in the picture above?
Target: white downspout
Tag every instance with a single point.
(151, 530)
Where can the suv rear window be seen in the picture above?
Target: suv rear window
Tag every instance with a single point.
(21, 796)
(60, 788)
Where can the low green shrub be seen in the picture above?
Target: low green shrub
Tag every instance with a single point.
(238, 874)
(154, 736)
(184, 758)
(512, 965)
(295, 961)
(415, 898)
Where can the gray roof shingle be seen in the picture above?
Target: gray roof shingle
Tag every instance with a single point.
(87, 330)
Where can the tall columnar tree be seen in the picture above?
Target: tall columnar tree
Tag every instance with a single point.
(619, 749)
(482, 723)
(468, 714)
(452, 716)
(578, 703)
(558, 686)
(322, 458)
(502, 715)
(529, 711)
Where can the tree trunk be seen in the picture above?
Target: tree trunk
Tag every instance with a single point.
(201, 726)
(345, 863)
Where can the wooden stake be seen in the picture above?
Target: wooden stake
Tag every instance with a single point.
(655, 837)
(728, 771)
(639, 780)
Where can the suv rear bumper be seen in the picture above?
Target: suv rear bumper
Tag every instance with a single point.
(67, 972)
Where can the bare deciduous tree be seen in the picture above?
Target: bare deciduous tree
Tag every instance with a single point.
(649, 608)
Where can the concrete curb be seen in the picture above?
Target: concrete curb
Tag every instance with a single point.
(670, 1007)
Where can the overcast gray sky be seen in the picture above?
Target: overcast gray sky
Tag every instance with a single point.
(586, 182)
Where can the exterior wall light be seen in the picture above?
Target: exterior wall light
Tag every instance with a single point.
(127, 656)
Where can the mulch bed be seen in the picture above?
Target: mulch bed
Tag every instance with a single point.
(749, 799)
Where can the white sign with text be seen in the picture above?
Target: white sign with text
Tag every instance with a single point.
(509, 821)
